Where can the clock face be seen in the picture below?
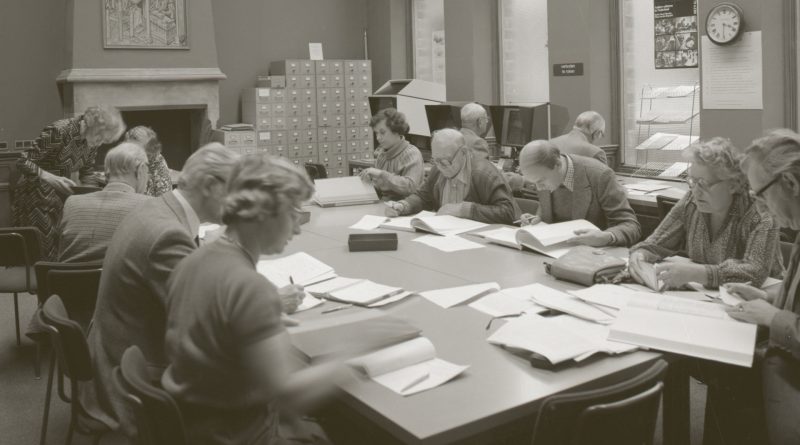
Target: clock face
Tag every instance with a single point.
(724, 23)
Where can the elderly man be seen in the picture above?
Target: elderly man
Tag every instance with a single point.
(773, 170)
(460, 184)
(589, 127)
(90, 220)
(474, 125)
(576, 187)
(133, 287)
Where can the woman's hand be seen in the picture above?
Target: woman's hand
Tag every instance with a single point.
(394, 208)
(637, 261)
(63, 186)
(757, 311)
(371, 175)
(676, 274)
(746, 292)
(291, 297)
(527, 219)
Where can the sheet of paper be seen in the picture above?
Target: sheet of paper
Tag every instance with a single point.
(369, 222)
(646, 186)
(309, 302)
(420, 377)
(452, 296)
(450, 243)
(609, 295)
(503, 235)
(732, 74)
(549, 234)
(593, 332)
(401, 296)
(327, 286)
(404, 222)
(315, 51)
(303, 268)
(674, 170)
(364, 292)
(535, 333)
(203, 229)
(680, 143)
(507, 302)
(398, 356)
(569, 304)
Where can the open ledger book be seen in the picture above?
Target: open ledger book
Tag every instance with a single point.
(408, 368)
(558, 338)
(301, 268)
(432, 223)
(547, 239)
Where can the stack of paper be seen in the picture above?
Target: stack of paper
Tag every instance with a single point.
(452, 296)
(510, 301)
(569, 304)
(408, 368)
(349, 190)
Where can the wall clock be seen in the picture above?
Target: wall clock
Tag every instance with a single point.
(724, 23)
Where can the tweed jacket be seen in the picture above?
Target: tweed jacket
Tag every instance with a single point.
(575, 143)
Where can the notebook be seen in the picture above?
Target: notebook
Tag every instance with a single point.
(547, 239)
(408, 368)
(348, 190)
(300, 267)
(348, 334)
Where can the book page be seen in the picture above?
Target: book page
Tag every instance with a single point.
(681, 305)
(309, 302)
(449, 243)
(549, 234)
(506, 236)
(610, 295)
(593, 332)
(369, 222)
(345, 189)
(420, 377)
(445, 224)
(566, 303)
(301, 267)
(326, 287)
(395, 357)
(364, 292)
(452, 296)
(404, 222)
(537, 334)
(509, 301)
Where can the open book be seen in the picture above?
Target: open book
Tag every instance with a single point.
(509, 301)
(408, 368)
(547, 239)
(348, 190)
(557, 338)
(694, 328)
(359, 292)
(432, 223)
(563, 302)
(300, 267)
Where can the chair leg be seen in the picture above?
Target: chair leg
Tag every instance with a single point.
(16, 317)
(43, 435)
(70, 431)
(37, 361)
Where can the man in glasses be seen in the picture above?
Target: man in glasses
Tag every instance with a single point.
(460, 184)
(576, 187)
(133, 286)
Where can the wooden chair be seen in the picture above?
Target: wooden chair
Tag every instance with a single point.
(619, 414)
(158, 419)
(665, 204)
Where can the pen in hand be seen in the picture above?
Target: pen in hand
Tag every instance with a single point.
(291, 280)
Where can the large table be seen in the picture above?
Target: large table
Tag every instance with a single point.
(499, 389)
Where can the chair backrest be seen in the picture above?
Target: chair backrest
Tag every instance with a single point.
(76, 283)
(19, 246)
(316, 171)
(631, 421)
(69, 341)
(559, 414)
(527, 205)
(665, 204)
(158, 419)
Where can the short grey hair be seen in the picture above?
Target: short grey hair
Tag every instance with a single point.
(213, 159)
(449, 138)
(540, 152)
(146, 137)
(264, 185)
(103, 124)
(590, 122)
(471, 113)
(124, 159)
(721, 156)
(777, 153)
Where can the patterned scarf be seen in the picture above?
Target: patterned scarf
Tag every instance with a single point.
(456, 178)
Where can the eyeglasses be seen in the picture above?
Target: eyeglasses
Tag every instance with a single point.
(759, 194)
(701, 183)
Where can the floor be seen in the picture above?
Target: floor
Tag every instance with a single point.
(22, 396)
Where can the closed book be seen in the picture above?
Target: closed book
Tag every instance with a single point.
(365, 242)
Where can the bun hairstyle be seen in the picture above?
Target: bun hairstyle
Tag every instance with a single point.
(264, 185)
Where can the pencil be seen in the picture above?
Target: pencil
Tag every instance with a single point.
(291, 280)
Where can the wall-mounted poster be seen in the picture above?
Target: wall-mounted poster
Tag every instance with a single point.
(150, 24)
(676, 40)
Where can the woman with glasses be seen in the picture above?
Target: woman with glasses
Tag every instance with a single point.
(228, 350)
(399, 166)
(460, 184)
(716, 225)
(772, 165)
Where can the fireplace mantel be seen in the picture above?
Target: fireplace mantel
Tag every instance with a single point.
(77, 75)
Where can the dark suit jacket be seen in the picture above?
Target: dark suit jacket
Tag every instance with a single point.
(477, 144)
(131, 302)
(598, 198)
(575, 143)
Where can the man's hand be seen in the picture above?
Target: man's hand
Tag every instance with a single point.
(592, 237)
(289, 321)
(63, 186)
(460, 210)
(757, 311)
(677, 274)
(526, 219)
(291, 297)
(394, 208)
(371, 174)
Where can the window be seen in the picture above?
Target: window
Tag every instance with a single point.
(524, 61)
(428, 40)
(660, 82)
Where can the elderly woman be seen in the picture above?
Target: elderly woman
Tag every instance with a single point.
(225, 341)
(460, 184)
(398, 167)
(64, 153)
(160, 181)
(772, 165)
(716, 224)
